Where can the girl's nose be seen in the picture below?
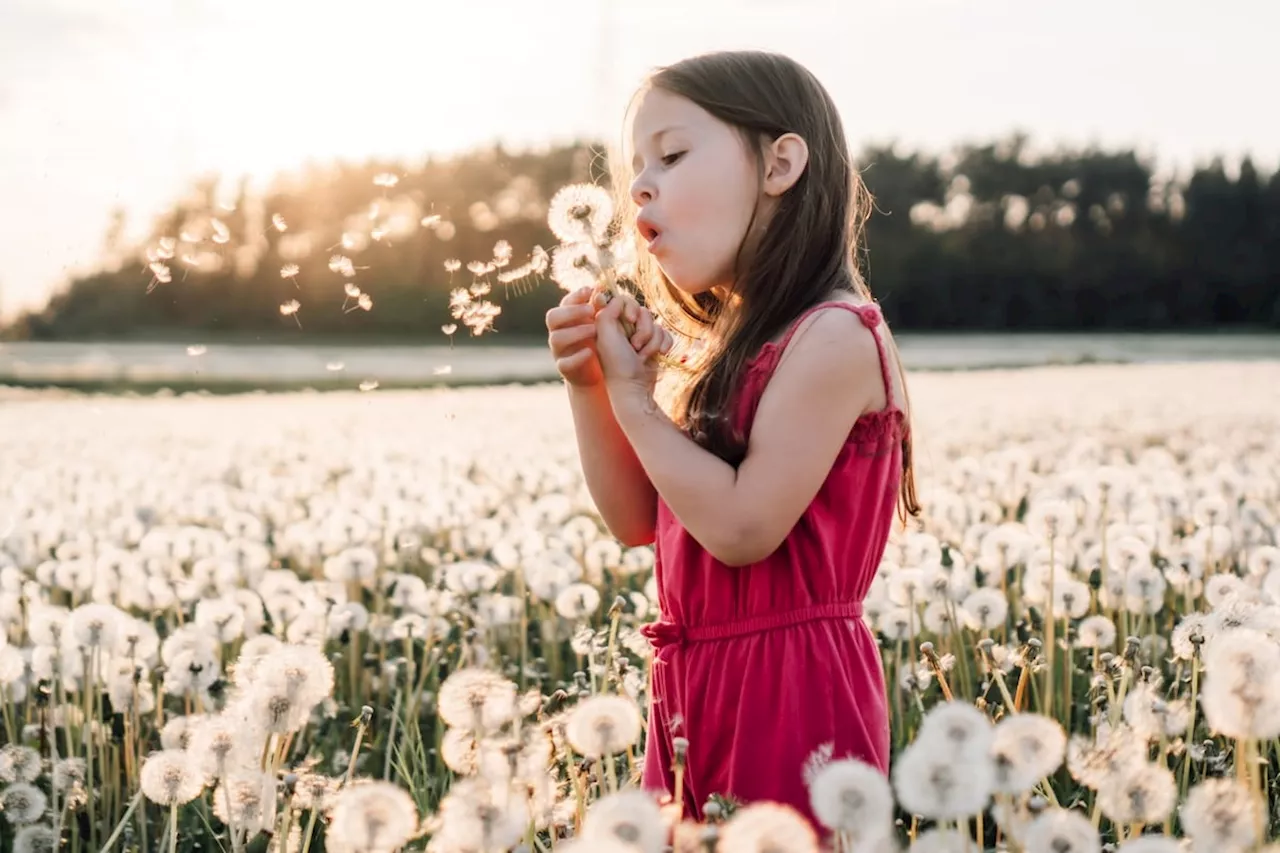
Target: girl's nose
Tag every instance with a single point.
(642, 190)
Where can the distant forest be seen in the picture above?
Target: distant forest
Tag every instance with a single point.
(985, 237)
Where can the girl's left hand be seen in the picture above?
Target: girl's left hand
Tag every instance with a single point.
(629, 363)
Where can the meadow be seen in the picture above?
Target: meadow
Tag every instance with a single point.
(392, 620)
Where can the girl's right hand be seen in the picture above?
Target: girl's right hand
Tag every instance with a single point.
(571, 328)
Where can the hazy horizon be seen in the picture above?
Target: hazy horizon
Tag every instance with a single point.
(127, 106)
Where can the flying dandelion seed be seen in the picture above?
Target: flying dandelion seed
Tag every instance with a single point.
(334, 366)
(365, 301)
(197, 350)
(431, 221)
(452, 265)
(290, 309)
(290, 271)
(369, 385)
(277, 221)
(342, 265)
(443, 370)
(501, 253)
(221, 233)
(385, 180)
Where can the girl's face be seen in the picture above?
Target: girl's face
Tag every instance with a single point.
(696, 185)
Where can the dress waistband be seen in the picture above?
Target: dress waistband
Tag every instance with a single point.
(666, 634)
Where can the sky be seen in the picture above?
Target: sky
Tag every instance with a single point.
(108, 103)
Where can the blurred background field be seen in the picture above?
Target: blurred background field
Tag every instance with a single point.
(237, 615)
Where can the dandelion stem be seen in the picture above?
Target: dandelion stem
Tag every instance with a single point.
(111, 839)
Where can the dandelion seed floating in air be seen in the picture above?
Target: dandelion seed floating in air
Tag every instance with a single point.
(290, 309)
(277, 222)
(386, 180)
(290, 271)
(369, 385)
(197, 350)
(334, 366)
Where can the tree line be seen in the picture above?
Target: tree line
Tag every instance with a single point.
(984, 237)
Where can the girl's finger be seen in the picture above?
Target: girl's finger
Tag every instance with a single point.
(570, 315)
(581, 296)
(563, 340)
(643, 332)
(651, 348)
(574, 361)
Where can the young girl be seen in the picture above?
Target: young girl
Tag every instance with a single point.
(768, 485)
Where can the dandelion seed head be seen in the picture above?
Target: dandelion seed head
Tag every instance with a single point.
(169, 777)
(580, 213)
(603, 725)
(766, 827)
(22, 803)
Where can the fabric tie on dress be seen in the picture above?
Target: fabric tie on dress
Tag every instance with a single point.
(663, 634)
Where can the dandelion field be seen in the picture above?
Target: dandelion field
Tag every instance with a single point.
(392, 621)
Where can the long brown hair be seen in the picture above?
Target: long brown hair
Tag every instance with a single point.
(807, 250)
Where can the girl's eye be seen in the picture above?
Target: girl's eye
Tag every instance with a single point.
(670, 159)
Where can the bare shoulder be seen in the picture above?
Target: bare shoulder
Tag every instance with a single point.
(834, 332)
(837, 342)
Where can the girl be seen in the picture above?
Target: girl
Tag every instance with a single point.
(768, 484)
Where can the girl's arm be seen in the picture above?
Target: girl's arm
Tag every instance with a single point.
(618, 484)
(830, 375)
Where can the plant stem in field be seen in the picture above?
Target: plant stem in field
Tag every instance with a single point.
(133, 804)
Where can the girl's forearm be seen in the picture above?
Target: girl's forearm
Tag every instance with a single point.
(698, 486)
(618, 483)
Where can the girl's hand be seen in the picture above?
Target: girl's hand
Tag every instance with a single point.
(629, 363)
(571, 334)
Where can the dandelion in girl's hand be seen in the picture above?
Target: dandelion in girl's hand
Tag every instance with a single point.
(575, 265)
(603, 725)
(580, 213)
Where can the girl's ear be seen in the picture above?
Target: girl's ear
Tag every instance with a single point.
(785, 160)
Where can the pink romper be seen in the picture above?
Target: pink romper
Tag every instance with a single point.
(758, 667)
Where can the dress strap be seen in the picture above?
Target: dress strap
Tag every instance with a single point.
(869, 314)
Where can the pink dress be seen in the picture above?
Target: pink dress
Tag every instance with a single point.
(759, 667)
